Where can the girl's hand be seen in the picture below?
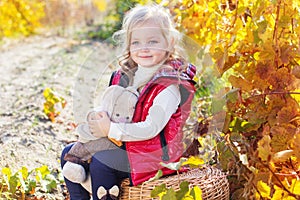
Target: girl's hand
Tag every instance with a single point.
(100, 127)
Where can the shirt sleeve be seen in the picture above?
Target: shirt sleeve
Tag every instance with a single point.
(164, 105)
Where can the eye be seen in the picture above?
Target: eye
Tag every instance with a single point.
(153, 42)
(134, 43)
(118, 115)
(127, 118)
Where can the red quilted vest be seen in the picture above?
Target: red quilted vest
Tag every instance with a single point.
(145, 156)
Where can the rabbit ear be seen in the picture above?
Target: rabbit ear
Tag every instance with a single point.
(112, 91)
(109, 97)
(132, 90)
(101, 192)
(114, 191)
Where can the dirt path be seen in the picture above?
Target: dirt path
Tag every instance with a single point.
(27, 67)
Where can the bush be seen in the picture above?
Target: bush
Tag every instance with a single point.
(256, 45)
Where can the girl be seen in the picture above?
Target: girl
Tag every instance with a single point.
(151, 64)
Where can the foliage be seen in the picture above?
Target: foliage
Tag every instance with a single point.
(113, 20)
(72, 13)
(53, 104)
(20, 16)
(184, 192)
(25, 17)
(25, 182)
(256, 45)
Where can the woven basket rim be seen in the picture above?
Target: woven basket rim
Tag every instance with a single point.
(212, 181)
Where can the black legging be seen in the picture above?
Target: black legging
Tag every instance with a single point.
(107, 169)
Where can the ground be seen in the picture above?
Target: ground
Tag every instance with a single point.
(28, 66)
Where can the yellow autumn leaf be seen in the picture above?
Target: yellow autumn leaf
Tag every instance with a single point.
(239, 82)
(295, 187)
(282, 136)
(264, 189)
(100, 4)
(267, 52)
(196, 193)
(264, 148)
(279, 193)
(296, 71)
(287, 114)
(193, 161)
(295, 144)
(296, 95)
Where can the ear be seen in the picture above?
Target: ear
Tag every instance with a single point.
(114, 191)
(111, 90)
(109, 97)
(101, 192)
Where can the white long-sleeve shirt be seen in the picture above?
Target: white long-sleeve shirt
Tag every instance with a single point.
(164, 105)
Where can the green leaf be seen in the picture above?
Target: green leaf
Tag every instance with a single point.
(49, 183)
(184, 189)
(42, 172)
(170, 195)
(158, 174)
(217, 105)
(158, 189)
(232, 95)
(31, 185)
(11, 181)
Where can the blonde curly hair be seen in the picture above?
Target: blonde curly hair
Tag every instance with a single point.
(139, 15)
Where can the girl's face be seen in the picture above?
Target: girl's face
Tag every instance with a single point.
(148, 47)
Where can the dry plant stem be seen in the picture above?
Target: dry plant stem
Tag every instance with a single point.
(245, 175)
(271, 93)
(276, 177)
(234, 21)
(178, 178)
(275, 34)
(293, 167)
(261, 197)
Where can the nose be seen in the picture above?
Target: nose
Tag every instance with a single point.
(144, 47)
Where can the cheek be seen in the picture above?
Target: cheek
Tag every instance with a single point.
(160, 54)
(133, 54)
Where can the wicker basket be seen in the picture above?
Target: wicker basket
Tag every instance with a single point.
(212, 181)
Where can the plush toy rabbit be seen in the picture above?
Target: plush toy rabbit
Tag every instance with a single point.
(119, 103)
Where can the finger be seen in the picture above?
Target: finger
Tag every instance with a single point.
(94, 122)
(94, 127)
(103, 114)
